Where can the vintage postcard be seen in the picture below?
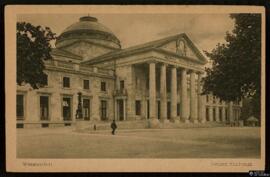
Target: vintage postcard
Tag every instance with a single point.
(135, 88)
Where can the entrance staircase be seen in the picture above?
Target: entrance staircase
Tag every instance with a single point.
(144, 124)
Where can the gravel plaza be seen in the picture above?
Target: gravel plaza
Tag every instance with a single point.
(216, 142)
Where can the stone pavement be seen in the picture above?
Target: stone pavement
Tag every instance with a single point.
(217, 142)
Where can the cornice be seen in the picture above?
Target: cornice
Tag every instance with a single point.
(78, 40)
(71, 71)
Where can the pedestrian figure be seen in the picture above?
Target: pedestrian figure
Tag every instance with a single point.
(113, 126)
(95, 127)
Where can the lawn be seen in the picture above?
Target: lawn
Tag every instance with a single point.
(218, 142)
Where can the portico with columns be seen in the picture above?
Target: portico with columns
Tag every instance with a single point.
(189, 98)
(161, 82)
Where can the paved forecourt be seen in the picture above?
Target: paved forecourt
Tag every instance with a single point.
(218, 142)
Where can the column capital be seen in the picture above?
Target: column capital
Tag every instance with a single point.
(152, 61)
(173, 67)
(200, 72)
(164, 64)
(183, 69)
(189, 71)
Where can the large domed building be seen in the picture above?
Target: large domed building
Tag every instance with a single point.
(92, 80)
(87, 38)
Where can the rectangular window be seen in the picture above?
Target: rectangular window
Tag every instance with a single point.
(20, 106)
(66, 104)
(44, 107)
(103, 109)
(19, 126)
(122, 84)
(86, 84)
(178, 109)
(66, 82)
(138, 107)
(207, 98)
(207, 114)
(103, 86)
(86, 109)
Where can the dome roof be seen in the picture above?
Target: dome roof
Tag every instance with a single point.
(88, 28)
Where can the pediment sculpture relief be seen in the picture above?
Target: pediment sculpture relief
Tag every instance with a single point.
(181, 47)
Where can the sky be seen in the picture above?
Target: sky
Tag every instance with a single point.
(205, 30)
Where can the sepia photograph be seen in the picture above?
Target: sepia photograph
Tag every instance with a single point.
(94, 84)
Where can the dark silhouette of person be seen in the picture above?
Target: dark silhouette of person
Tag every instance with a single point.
(113, 126)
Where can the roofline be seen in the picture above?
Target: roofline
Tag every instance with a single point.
(105, 56)
(68, 56)
(90, 42)
(146, 50)
(152, 46)
(99, 59)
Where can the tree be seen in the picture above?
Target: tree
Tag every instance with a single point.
(33, 48)
(236, 65)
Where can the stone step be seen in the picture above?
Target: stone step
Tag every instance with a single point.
(143, 124)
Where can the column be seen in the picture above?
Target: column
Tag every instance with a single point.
(130, 86)
(163, 93)
(193, 99)
(173, 94)
(223, 114)
(152, 90)
(230, 111)
(217, 114)
(210, 113)
(184, 101)
(201, 101)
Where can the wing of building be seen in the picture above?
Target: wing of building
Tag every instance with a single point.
(158, 81)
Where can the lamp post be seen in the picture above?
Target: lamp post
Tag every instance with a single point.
(79, 114)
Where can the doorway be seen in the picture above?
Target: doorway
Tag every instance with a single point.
(86, 109)
(66, 108)
(44, 107)
(169, 110)
(120, 104)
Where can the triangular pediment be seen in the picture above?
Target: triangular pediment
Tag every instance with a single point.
(182, 46)
(86, 50)
(178, 46)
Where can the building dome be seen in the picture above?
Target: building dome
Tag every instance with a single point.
(88, 28)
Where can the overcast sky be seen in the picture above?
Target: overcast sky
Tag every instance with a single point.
(205, 30)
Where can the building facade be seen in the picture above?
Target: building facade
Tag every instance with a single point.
(159, 81)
